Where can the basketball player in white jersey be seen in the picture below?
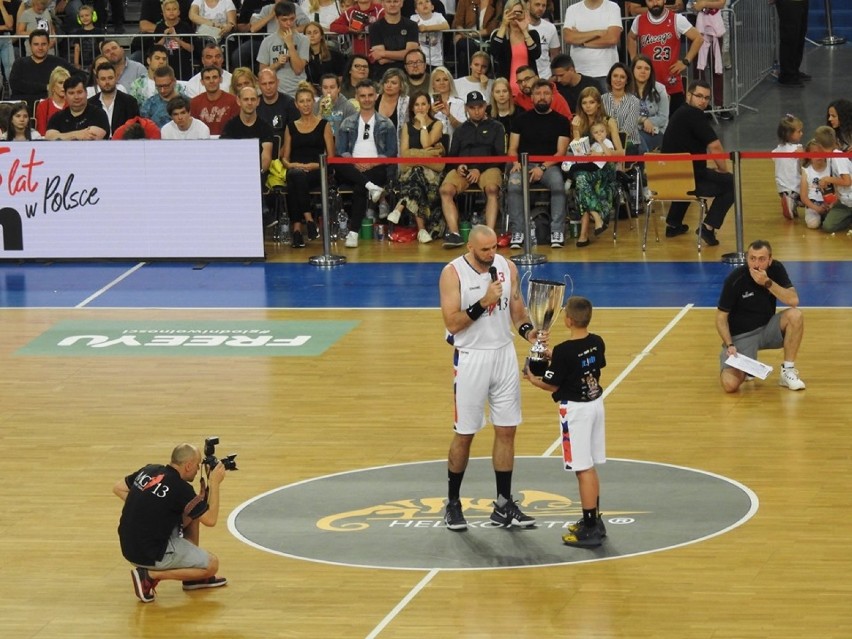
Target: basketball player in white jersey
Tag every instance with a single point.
(481, 304)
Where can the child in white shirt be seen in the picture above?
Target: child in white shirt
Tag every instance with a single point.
(813, 170)
(787, 170)
(431, 26)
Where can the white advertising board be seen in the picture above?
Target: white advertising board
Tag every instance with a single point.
(130, 199)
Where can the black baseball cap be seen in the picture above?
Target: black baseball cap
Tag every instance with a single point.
(475, 98)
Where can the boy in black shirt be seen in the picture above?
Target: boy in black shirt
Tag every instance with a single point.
(573, 377)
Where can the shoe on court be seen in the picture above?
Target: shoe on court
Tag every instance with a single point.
(509, 514)
(517, 241)
(583, 537)
(143, 584)
(212, 582)
(351, 240)
(423, 236)
(600, 526)
(790, 379)
(557, 239)
(453, 240)
(453, 516)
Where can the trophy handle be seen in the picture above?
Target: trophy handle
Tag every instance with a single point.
(525, 276)
(569, 284)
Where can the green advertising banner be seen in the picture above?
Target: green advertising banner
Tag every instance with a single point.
(187, 338)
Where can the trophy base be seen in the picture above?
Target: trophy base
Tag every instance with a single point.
(537, 366)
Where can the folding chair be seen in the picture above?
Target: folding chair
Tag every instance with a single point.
(670, 179)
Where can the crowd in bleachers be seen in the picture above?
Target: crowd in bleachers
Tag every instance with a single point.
(368, 67)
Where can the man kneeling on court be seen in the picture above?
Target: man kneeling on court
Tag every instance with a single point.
(159, 524)
(746, 319)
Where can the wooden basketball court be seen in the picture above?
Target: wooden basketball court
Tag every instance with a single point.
(70, 427)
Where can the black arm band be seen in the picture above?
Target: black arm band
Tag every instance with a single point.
(475, 311)
(524, 329)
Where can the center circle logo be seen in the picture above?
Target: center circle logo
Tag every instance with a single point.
(392, 516)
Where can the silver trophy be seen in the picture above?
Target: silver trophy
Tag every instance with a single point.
(544, 301)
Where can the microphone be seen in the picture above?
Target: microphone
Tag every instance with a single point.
(492, 270)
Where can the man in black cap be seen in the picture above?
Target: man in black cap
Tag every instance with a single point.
(478, 136)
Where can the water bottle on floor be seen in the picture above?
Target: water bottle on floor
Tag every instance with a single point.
(343, 224)
(285, 237)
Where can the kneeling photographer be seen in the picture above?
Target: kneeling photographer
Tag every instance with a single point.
(159, 526)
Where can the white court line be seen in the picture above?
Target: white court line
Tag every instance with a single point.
(110, 285)
(646, 351)
(402, 604)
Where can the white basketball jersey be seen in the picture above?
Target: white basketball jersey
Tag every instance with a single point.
(494, 328)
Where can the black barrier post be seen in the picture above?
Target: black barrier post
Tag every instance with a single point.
(739, 256)
(528, 258)
(326, 259)
(830, 39)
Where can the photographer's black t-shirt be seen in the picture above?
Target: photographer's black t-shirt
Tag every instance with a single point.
(158, 502)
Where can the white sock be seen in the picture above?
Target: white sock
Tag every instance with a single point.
(787, 364)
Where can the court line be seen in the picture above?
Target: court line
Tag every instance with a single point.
(645, 352)
(633, 364)
(403, 603)
(96, 294)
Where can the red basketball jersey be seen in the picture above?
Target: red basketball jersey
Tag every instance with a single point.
(661, 44)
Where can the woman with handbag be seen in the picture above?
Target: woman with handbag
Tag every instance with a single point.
(418, 183)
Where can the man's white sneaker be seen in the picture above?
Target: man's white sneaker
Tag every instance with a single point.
(423, 236)
(352, 239)
(790, 379)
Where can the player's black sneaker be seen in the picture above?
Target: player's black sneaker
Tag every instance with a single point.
(508, 514)
(453, 517)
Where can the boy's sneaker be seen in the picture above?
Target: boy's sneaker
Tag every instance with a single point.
(212, 582)
(517, 241)
(453, 517)
(790, 379)
(143, 584)
(583, 537)
(351, 240)
(453, 240)
(601, 527)
(557, 240)
(508, 514)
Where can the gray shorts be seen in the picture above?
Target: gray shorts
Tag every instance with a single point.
(769, 336)
(181, 553)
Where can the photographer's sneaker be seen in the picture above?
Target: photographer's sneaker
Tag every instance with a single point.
(506, 513)
(453, 517)
(601, 527)
(583, 537)
(790, 379)
(143, 584)
(212, 582)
